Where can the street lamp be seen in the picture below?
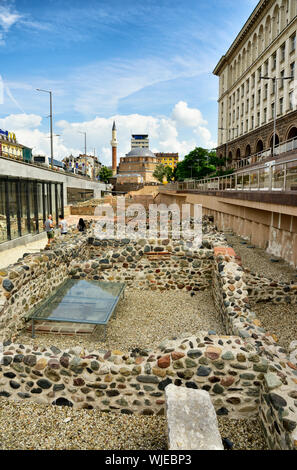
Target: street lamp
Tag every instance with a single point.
(51, 124)
(274, 79)
(226, 129)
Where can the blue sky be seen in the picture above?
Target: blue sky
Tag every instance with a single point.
(146, 64)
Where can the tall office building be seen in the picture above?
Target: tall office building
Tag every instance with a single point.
(139, 141)
(265, 47)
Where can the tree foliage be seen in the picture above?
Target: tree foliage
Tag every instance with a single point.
(162, 171)
(199, 163)
(105, 174)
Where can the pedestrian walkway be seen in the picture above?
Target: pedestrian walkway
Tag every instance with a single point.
(11, 256)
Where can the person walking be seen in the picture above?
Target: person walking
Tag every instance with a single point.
(63, 225)
(49, 228)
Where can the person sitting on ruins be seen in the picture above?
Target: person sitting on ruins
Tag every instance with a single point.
(81, 225)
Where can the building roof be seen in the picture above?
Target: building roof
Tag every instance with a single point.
(140, 152)
(242, 34)
(114, 126)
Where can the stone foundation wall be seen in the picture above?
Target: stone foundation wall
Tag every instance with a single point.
(261, 289)
(277, 403)
(153, 264)
(245, 373)
(34, 278)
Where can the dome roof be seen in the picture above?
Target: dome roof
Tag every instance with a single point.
(141, 152)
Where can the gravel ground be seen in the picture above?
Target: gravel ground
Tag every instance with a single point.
(258, 261)
(144, 319)
(278, 319)
(35, 426)
(245, 434)
(30, 426)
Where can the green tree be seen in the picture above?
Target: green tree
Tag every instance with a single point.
(197, 164)
(105, 174)
(161, 171)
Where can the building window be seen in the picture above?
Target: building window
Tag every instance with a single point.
(266, 68)
(265, 115)
(253, 101)
(293, 42)
(242, 91)
(247, 105)
(272, 110)
(259, 96)
(238, 94)
(247, 85)
(253, 80)
(292, 70)
(273, 65)
(242, 128)
(291, 100)
(242, 109)
(266, 91)
(283, 52)
(252, 124)
(281, 106)
(259, 74)
(247, 125)
(281, 82)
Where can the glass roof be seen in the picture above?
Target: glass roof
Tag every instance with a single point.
(80, 301)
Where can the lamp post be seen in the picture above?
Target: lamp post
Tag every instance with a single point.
(275, 79)
(226, 129)
(51, 124)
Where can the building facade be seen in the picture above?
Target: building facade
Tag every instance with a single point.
(139, 141)
(168, 159)
(25, 204)
(141, 162)
(265, 47)
(9, 146)
(85, 165)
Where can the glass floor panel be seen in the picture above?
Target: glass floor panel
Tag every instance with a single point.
(80, 301)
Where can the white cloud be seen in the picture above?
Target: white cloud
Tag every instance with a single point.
(17, 122)
(166, 134)
(8, 18)
(188, 117)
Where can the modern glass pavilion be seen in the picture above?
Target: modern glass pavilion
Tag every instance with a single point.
(25, 204)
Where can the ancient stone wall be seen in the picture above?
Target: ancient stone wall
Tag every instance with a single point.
(261, 289)
(278, 376)
(33, 279)
(245, 373)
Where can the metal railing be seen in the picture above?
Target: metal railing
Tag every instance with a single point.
(269, 177)
(284, 147)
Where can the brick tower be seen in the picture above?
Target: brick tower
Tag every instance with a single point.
(114, 144)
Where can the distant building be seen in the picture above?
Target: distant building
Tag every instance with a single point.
(86, 165)
(9, 146)
(168, 159)
(139, 141)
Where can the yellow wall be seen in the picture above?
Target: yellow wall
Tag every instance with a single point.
(11, 149)
(172, 162)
